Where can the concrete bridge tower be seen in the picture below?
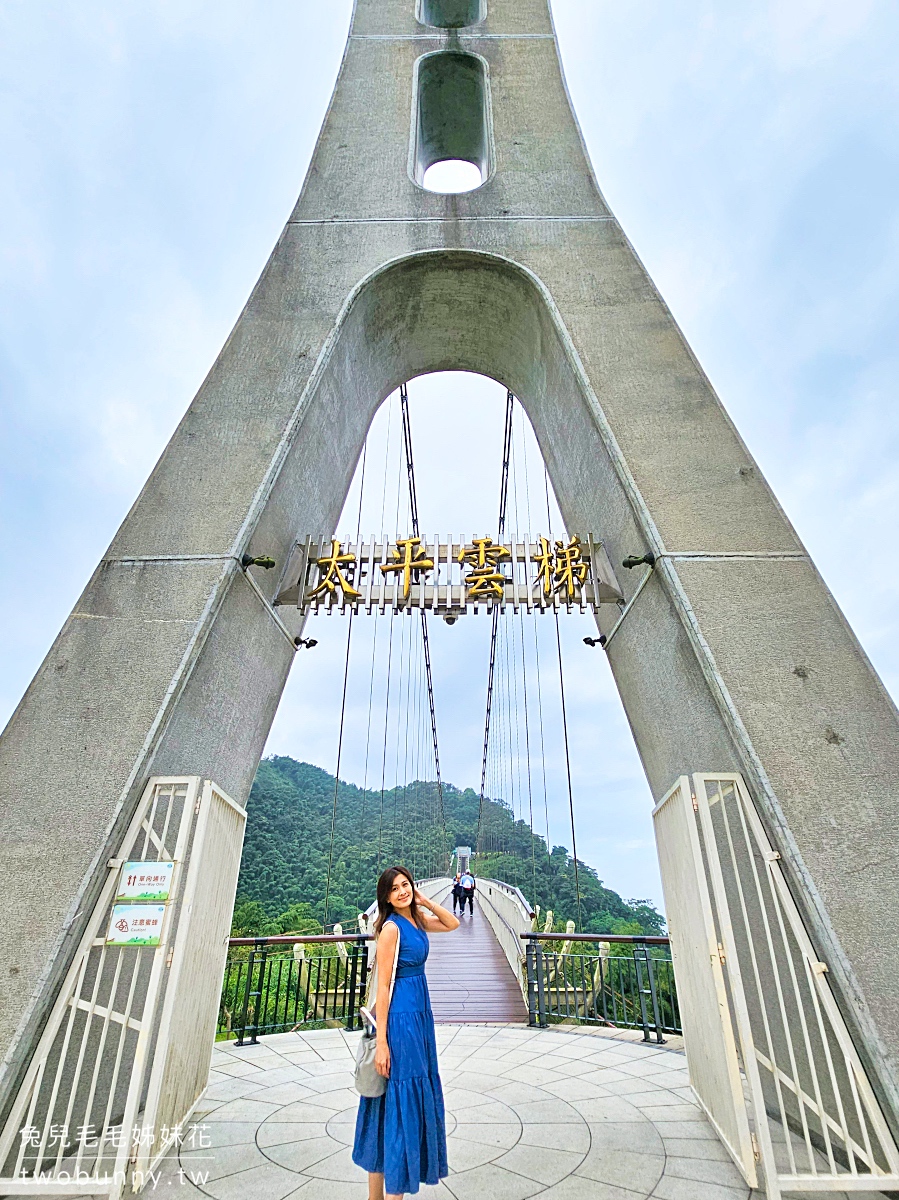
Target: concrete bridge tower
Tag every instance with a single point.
(734, 656)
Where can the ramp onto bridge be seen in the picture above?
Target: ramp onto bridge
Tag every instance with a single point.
(469, 976)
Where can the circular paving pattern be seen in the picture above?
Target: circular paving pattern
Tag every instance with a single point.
(560, 1114)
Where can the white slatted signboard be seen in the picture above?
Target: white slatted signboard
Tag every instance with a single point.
(132, 1020)
(536, 574)
(814, 1119)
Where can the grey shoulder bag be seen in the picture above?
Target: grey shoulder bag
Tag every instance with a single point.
(369, 1081)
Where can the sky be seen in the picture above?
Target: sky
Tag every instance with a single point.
(150, 153)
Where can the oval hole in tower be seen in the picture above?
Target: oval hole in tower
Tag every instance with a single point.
(451, 135)
(451, 14)
(451, 177)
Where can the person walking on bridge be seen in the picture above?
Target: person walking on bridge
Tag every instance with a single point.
(468, 885)
(458, 894)
(401, 1136)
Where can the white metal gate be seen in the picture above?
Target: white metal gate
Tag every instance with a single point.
(190, 1009)
(699, 972)
(80, 1123)
(815, 1122)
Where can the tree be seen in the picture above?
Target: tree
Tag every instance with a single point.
(284, 871)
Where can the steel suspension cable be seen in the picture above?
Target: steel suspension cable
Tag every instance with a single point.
(577, 885)
(498, 732)
(371, 690)
(346, 675)
(416, 531)
(527, 751)
(520, 681)
(503, 500)
(384, 751)
(404, 676)
(512, 710)
(389, 669)
(534, 619)
(374, 651)
(412, 758)
(526, 483)
(408, 776)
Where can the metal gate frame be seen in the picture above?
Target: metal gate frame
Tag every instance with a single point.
(709, 1034)
(196, 964)
(111, 1021)
(816, 1123)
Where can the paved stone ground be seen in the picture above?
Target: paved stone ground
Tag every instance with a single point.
(561, 1114)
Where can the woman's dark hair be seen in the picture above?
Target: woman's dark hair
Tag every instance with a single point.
(385, 908)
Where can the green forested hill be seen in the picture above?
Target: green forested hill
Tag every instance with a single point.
(285, 860)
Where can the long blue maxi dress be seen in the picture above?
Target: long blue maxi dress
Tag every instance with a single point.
(403, 1132)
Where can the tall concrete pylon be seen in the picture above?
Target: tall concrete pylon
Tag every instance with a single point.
(735, 656)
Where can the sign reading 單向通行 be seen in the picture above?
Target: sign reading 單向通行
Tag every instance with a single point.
(136, 925)
(145, 881)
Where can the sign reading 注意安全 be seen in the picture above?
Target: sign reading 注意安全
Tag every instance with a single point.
(136, 925)
(145, 881)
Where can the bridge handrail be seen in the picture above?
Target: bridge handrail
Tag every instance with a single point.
(513, 891)
(578, 977)
(501, 918)
(292, 939)
(504, 923)
(510, 889)
(639, 939)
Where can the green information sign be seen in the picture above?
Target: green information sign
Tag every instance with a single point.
(146, 881)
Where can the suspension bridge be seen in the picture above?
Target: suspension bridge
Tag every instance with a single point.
(753, 1053)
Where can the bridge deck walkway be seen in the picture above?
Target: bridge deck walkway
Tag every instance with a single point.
(469, 976)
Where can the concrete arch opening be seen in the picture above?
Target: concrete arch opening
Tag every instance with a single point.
(485, 314)
(457, 431)
(456, 311)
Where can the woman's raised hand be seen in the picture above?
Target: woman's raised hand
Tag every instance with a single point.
(382, 1059)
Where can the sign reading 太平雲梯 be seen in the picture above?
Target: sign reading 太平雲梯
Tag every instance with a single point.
(449, 576)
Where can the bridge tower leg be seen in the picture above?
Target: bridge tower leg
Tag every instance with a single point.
(734, 657)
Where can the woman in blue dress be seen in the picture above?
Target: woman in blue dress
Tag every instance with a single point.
(401, 1136)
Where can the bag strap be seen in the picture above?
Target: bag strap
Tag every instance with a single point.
(396, 959)
(372, 998)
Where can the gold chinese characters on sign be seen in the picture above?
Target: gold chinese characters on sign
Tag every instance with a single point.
(450, 574)
(334, 569)
(484, 581)
(409, 559)
(562, 569)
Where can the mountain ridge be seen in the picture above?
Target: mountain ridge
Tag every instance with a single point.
(285, 865)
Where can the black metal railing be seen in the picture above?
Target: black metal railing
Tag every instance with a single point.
(616, 980)
(276, 984)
